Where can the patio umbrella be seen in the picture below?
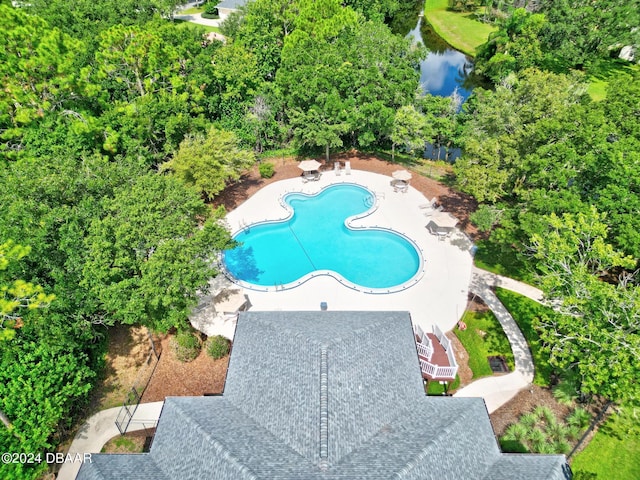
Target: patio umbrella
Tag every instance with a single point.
(444, 220)
(309, 165)
(401, 175)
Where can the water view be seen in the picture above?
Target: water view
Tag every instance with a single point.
(444, 70)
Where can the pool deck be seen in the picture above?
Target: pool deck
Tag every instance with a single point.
(439, 297)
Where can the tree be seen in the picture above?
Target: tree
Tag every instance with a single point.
(409, 130)
(16, 295)
(147, 256)
(343, 79)
(42, 386)
(510, 133)
(208, 163)
(578, 33)
(514, 47)
(37, 72)
(598, 334)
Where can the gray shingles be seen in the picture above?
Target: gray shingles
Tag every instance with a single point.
(346, 384)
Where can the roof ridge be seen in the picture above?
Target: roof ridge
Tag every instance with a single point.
(324, 404)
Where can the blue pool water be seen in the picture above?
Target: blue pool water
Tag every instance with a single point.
(316, 238)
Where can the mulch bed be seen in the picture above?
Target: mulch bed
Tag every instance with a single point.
(525, 402)
(172, 377)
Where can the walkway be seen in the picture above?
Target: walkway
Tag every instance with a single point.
(101, 428)
(499, 389)
(195, 17)
(507, 283)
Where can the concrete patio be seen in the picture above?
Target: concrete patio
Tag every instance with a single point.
(439, 297)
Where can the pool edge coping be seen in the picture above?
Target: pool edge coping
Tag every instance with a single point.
(415, 278)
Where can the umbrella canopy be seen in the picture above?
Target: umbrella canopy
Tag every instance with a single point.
(401, 175)
(444, 219)
(309, 165)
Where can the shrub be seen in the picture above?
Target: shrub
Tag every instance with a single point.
(186, 346)
(210, 11)
(485, 217)
(566, 392)
(266, 170)
(218, 347)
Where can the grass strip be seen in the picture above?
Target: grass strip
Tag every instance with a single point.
(613, 453)
(525, 311)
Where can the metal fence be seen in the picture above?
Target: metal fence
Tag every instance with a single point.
(134, 395)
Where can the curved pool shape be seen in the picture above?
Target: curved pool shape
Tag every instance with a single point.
(316, 239)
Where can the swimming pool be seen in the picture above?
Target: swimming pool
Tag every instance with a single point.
(316, 240)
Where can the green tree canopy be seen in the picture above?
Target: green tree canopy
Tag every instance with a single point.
(599, 334)
(342, 79)
(16, 295)
(210, 162)
(147, 254)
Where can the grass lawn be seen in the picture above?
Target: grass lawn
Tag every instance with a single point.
(600, 74)
(492, 257)
(483, 337)
(435, 388)
(460, 30)
(612, 454)
(192, 11)
(524, 311)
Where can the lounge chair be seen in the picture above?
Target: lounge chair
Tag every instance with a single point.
(347, 168)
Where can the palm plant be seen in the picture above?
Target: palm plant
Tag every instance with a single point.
(546, 414)
(579, 418)
(538, 440)
(557, 431)
(516, 433)
(529, 420)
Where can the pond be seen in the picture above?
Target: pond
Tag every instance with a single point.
(444, 70)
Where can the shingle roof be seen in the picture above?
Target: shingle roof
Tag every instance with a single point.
(325, 395)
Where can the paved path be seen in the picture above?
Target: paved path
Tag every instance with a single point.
(494, 280)
(499, 389)
(101, 427)
(195, 17)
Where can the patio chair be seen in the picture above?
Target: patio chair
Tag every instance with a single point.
(428, 206)
(336, 168)
(347, 167)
